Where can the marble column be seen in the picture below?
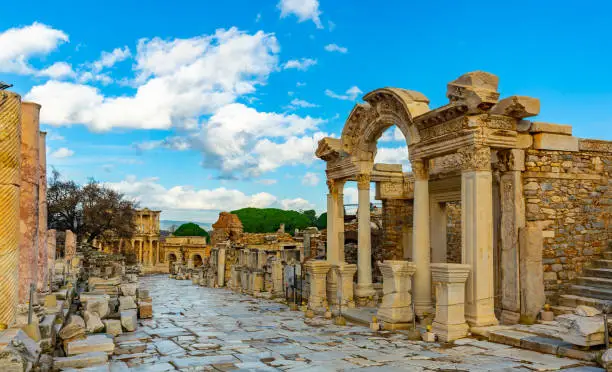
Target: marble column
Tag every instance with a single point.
(332, 241)
(28, 198)
(10, 181)
(364, 289)
(395, 311)
(335, 236)
(345, 294)
(317, 270)
(43, 262)
(511, 163)
(51, 246)
(421, 254)
(339, 213)
(221, 267)
(449, 323)
(477, 235)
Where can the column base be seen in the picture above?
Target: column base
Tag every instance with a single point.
(396, 326)
(510, 317)
(364, 293)
(481, 321)
(423, 310)
(449, 332)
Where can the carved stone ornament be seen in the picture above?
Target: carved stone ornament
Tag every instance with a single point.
(419, 170)
(475, 158)
(332, 187)
(363, 181)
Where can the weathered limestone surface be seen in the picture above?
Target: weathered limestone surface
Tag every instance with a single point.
(10, 180)
(81, 360)
(532, 273)
(345, 291)
(73, 328)
(70, 245)
(396, 308)
(129, 320)
(112, 326)
(28, 199)
(51, 251)
(43, 252)
(449, 323)
(549, 141)
(93, 322)
(317, 270)
(92, 343)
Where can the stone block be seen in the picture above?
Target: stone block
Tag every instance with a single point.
(517, 107)
(18, 352)
(98, 306)
(81, 360)
(75, 327)
(129, 289)
(548, 141)
(540, 127)
(145, 310)
(112, 326)
(92, 343)
(143, 293)
(126, 303)
(93, 324)
(129, 320)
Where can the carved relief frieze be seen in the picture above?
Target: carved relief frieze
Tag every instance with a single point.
(452, 126)
(475, 158)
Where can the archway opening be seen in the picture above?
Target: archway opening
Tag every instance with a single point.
(197, 260)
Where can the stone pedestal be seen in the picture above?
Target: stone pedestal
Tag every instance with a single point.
(344, 274)
(317, 269)
(258, 281)
(449, 323)
(395, 310)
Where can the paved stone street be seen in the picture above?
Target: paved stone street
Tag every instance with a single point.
(197, 328)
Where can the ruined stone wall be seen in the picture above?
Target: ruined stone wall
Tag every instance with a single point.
(573, 191)
(397, 214)
(453, 232)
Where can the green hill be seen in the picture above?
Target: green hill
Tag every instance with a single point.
(190, 229)
(266, 220)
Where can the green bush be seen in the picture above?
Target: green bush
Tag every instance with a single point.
(267, 220)
(322, 221)
(190, 229)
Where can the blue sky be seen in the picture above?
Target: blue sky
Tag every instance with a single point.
(208, 105)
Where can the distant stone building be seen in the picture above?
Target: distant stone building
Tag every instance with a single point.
(192, 250)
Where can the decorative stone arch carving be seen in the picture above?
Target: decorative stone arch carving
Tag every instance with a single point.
(175, 253)
(383, 108)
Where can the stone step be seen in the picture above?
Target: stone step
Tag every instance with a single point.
(598, 272)
(559, 310)
(593, 281)
(571, 300)
(607, 264)
(594, 292)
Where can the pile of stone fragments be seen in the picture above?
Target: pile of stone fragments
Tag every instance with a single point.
(95, 298)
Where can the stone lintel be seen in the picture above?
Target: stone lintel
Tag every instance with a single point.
(449, 272)
(560, 142)
(541, 127)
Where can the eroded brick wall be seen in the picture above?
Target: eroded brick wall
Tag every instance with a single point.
(573, 190)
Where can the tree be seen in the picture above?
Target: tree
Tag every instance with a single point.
(190, 229)
(322, 221)
(91, 211)
(312, 215)
(265, 220)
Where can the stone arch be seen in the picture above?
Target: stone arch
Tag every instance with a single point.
(197, 260)
(172, 256)
(383, 108)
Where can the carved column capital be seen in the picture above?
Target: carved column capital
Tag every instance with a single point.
(363, 181)
(419, 169)
(335, 187)
(511, 160)
(475, 158)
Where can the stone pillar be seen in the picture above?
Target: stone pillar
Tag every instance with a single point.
(43, 262)
(277, 278)
(335, 236)
(477, 234)
(339, 221)
(221, 267)
(364, 288)
(317, 269)
(28, 199)
(449, 323)
(70, 246)
(511, 163)
(10, 181)
(420, 239)
(332, 241)
(51, 255)
(531, 241)
(345, 273)
(395, 311)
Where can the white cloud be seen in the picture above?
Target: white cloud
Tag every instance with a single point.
(178, 81)
(297, 204)
(392, 134)
(61, 153)
(351, 94)
(296, 102)
(335, 48)
(18, 45)
(58, 70)
(237, 139)
(149, 192)
(109, 59)
(174, 143)
(300, 64)
(303, 9)
(267, 181)
(300, 84)
(396, 155)
(54, 136)
(310, 179)
(258, 18)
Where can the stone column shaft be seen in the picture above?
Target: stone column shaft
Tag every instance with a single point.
(221, 267)
(28, 199)
(10, 180)
(421, 255)
(43, 262)
(477, 236)
(364, 243)
(339, 228)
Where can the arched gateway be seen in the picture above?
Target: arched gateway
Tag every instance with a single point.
(453, 151)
